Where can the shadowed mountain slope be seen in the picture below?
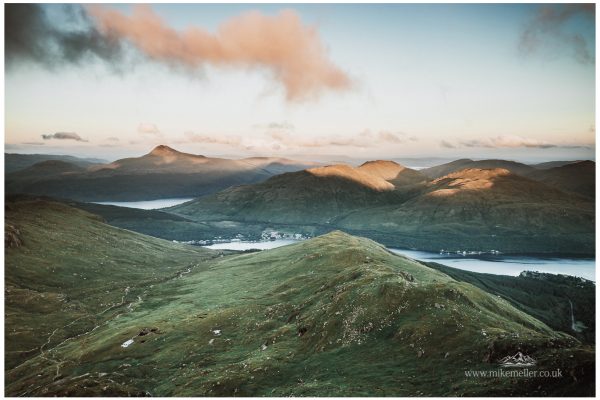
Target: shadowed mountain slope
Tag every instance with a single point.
(15, 162)
(316, 195)
(576, 177)
(473, 209)
(454, 166)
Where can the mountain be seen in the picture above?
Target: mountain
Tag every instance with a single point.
(454, 166)
(576, 177)
(393, 172)
(553, 164)
(93, 310)
(46, 169)
(162, 173)
(15, 162)
(316, 195)
(554, 295)
(472, 209)
(67, 271)
(477, 209)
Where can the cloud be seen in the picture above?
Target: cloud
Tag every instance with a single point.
(291, 51)
(282, 136)
(447, 145)
(507, 141)
(200, 138)
(281, 125)
(34, 143)
(548, 31)
(112, 139)
(366, 138)
(30, 36)
(146, 128)
(64, 136)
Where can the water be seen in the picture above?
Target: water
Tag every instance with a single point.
(266, 245)
(497, 264)
(146, 204)
(509, 265)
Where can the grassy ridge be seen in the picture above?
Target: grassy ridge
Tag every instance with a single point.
(335, 315)
(551, 302)
(73, 272)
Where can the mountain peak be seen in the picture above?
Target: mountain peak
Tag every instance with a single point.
(382, 168)
(386, 163)
(162, 150)
(354, 174)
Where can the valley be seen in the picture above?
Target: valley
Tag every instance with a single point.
(204, 322)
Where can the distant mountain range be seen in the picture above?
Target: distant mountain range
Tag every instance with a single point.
(162, 173)
(461, 205)
(15, 162)
(468, 209)
(571, 176)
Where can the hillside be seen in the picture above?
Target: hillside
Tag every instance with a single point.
(554, 295)
(455, 166)
(333, 316)
(317, 195)
(477, 210)
(67, 272)
(162, 173)
(15, 162)
(473, 209)
(576, 177)
(46, 169)
(393, 172)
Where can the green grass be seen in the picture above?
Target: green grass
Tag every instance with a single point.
(333, 316)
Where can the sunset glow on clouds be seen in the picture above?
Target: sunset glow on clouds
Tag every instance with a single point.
(281, 43)
(375, 81)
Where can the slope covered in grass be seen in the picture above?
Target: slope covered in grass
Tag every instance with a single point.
(335, 315)
(66, 272)
(563, 302)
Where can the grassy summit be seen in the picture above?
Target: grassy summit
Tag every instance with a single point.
(335, 315)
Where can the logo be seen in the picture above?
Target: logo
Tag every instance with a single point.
(518, 360)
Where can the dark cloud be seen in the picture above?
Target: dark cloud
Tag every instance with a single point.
(34, 143)
(64, 136)
(31, 36)
(547, 31)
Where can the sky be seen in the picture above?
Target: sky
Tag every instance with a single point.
(513, 81)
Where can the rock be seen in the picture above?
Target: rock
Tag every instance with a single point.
(12, 236)
(216, 332)
(446, 355)
(263, 347)
(146, 331)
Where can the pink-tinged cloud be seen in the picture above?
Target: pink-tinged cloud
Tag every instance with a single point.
(281, 43)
